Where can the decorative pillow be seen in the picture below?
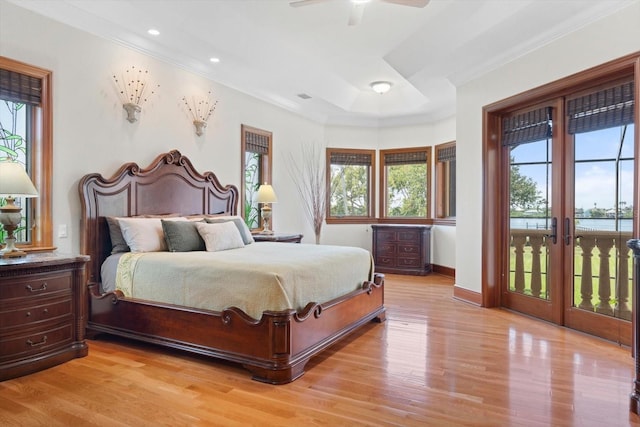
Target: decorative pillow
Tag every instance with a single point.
(182, 236)
(197, 217)
(144, 234)
(220, 237)
(247, 238)
(118, 244)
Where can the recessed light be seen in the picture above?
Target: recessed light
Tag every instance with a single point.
(381, 86)
(153, 32)
(214, 59)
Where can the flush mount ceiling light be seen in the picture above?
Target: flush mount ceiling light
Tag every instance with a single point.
(153, 32)
(214, 60)
(381, 87)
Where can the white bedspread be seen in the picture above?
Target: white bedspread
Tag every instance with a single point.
(259, 277)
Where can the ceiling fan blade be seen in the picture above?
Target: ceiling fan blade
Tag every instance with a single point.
(412, 3)
(298, 3)
(357, 10)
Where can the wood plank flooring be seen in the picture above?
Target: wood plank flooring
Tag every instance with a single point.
(435, 361)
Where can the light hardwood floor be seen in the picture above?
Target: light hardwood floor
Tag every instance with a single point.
(435, 361)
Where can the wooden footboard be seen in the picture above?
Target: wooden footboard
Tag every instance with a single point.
(275, 349)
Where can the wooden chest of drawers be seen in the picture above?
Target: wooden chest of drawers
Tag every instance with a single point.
(42, 312)
(402, 249)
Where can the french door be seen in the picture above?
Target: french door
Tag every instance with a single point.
(569, 191)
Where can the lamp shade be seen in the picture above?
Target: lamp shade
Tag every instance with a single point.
(266, 194)
(15, 182)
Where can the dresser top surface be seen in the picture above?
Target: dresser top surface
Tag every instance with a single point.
(41, 258)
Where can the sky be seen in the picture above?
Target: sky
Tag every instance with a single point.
(595, 182)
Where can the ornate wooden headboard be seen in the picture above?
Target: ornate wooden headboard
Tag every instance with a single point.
(169, 185)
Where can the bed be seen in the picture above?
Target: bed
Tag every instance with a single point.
(274, 345)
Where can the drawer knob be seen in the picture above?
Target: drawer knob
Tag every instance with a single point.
(40, 289)
(35, 344)
(28, 313)
(45, 311)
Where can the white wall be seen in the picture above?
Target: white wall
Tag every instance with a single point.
(92, 135)
(608, 39)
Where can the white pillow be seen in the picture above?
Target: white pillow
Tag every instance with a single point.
(220, 237)
(144, 234)
(245, 233)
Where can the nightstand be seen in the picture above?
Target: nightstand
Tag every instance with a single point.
(42, 312)
(278, 237)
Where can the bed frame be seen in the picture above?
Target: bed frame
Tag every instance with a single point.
(275, 349)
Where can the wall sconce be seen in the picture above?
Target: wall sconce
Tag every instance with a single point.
(201, 111)
(133, 90)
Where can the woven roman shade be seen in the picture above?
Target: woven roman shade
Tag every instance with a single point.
(256, 143)
(446, 154)
(20, 88)
(349, 159)
(530, 126)
(405, 158)
(606, 108)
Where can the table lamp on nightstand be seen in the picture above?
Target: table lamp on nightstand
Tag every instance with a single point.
(265, 196)
(14, 182)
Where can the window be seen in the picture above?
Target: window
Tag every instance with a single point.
(350, 175)
(25, 136)
(446, 180)
(405, 183)
(256, 170)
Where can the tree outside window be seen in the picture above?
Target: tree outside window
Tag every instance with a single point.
(405, 183)
(350, 175)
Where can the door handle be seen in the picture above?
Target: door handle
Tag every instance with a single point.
(567, 232)
(554, 230)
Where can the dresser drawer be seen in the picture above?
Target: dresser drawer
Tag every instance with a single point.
(36, 285)
(411, 251)
(409, 262)
(385, 261)
(29, 315)
(410, 235)
(28, 343)
(387, 236)
(387, 249)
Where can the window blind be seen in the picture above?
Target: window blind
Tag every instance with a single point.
(446, 154)
(20, 88)
(405, 158)
(606, 108)
(256, 143)
(359, 159)
(530, 126)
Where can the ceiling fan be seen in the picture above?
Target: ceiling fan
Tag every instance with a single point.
(357, 8)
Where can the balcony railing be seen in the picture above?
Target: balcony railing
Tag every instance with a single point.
(602, 269)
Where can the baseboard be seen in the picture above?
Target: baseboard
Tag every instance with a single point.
(467, 296)
(445, 271)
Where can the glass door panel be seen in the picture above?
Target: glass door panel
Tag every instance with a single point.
(603, 183)
(532, 228)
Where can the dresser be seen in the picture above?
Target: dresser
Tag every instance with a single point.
(42, 312)
(402, 249)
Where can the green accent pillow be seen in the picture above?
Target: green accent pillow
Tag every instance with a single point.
(247, 238)
(118, 244)
(182, 236)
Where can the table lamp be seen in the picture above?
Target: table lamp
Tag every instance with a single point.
(14, 182)
(265, 196)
